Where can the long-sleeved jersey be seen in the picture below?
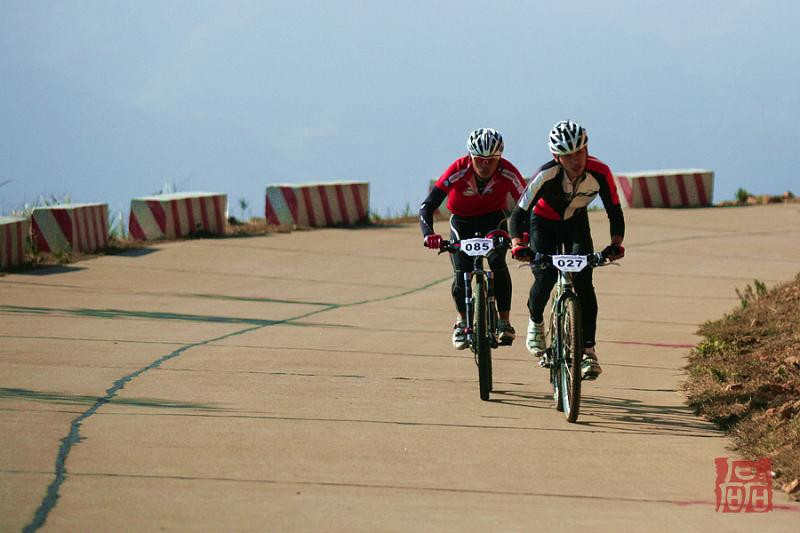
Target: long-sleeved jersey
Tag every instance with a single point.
(465, 198)
(552, 195)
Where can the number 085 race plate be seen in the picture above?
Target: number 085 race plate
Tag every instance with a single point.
(477, 246)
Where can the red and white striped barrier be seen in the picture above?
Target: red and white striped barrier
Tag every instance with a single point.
(666, 188)
(318, 205)
(13, 233)
(171, 216)
(70, 227)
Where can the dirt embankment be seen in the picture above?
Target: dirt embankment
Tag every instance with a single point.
(745, 376)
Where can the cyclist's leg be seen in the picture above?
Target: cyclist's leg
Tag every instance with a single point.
(502, 286)
(581, 243)
(459, 229)
(584, 288)
(468, 227)
(498, 265)
(544, 238)
(461, 264)
(502, 282)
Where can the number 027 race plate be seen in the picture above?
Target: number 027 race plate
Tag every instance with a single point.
(569, 263)
(476, 246)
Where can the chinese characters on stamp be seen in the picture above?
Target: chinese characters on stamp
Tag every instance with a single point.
(743, 486)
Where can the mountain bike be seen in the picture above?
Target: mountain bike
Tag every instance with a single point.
(481, 311)
(564, 333)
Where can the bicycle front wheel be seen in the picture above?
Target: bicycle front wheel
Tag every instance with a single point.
(555, 365)
(570, 357)
(483, 349)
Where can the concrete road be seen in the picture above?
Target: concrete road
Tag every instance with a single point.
(306, 382)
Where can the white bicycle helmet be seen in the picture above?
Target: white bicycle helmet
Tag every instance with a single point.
(485, 142)
(567, 137)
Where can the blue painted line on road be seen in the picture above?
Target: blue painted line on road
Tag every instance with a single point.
(73, 437)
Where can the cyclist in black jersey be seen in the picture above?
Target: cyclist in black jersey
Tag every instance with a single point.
(553, 210)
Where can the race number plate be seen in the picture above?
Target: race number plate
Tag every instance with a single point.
(569, 263)
(477, 246)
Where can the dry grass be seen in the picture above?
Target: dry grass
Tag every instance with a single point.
(745, 376)
(744, 197)
(116, 245)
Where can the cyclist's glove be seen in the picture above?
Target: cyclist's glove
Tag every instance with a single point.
(522, 253)
(614, 252)
(432, 241)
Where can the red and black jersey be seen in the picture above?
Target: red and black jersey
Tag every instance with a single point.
(553, 196)
(465, 197)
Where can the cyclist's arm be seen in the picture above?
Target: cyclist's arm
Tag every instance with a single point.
(520, 218)
(515, 181)
(617, 223)
(439, 192)
(428, 207)
(518, 224)
(610, 198)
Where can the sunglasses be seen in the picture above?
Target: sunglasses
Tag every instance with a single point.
(484, 160)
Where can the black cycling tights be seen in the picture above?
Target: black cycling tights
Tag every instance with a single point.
(546, 235)
(466, 228)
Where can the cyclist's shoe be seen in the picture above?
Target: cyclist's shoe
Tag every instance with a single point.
(459, 336)
(505, 333)
(535, 340)
(590, 367)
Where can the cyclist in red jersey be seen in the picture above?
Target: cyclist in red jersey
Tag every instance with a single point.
(554, 211)
(477, 187)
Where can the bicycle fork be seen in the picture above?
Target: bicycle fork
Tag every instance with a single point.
(491, 310)
(469, 301)
(552, 352)
(550, 335)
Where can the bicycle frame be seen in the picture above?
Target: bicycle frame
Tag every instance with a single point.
(476, 278)
(481, 307)
(564, 288)
(564, 354)
(477, 275)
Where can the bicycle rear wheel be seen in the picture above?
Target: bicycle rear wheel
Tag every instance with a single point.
(570, 357)
(483, 349)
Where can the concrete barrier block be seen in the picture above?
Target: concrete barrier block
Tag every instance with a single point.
(171, 216)
(14, 232)
(666, 188)
(317, 205)
(70, 227)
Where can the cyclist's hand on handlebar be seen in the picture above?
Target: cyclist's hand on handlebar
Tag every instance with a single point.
(433, 241)
(614, 252)
(522, 253)
(500, 238)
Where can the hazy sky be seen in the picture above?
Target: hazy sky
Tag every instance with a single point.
(109, 100)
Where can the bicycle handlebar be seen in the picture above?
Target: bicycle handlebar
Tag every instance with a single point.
(500, 239)
(594, 260)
